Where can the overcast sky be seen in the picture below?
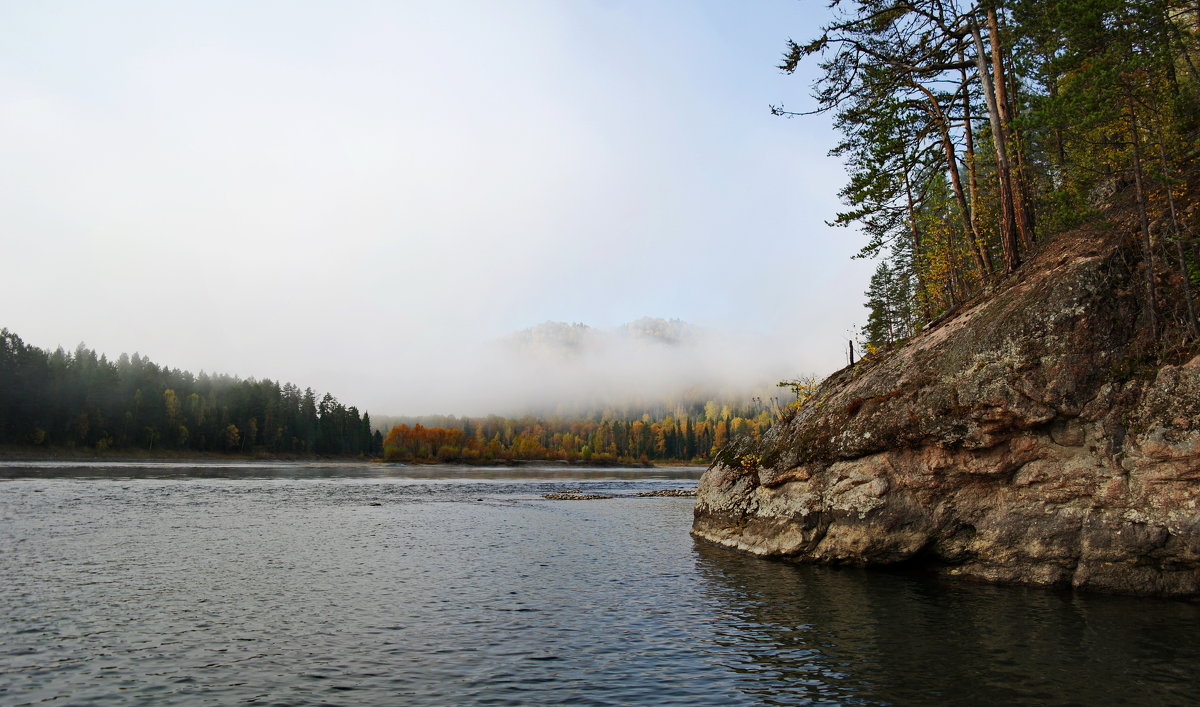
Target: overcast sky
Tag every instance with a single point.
(358, 196)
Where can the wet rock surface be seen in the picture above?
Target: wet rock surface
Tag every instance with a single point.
(575, 495)
(1025, 439)
(665, 493)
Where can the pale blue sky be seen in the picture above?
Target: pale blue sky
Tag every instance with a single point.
(341, 194)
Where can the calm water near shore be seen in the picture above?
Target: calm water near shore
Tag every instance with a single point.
(293, 583)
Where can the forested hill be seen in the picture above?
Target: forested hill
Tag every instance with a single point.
(973, 132)
(60, 399)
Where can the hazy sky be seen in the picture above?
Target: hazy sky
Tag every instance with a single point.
(358, 196)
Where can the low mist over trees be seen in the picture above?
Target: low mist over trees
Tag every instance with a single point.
(974, 131)
(693, 432)
(81, 399)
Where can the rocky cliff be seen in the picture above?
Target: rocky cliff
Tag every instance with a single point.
(1036, 437)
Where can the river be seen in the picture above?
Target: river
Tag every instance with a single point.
(297, 584)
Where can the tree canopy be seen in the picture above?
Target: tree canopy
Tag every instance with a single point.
(82, 399)
(972, 131)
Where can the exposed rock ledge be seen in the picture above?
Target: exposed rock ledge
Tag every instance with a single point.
(1024, 440)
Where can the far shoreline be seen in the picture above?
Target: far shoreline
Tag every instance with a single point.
(68, 454)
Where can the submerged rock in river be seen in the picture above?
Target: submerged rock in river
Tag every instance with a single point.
(1030, 438)
(666, 493)
(581, 496)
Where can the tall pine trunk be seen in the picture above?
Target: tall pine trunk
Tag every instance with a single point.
(985, 257)
(1004, 110)
(1023, 178)
(1008, 236)
(943, 123)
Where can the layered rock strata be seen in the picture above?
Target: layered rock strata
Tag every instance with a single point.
(1031, 438)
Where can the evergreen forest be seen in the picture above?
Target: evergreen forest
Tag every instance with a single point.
(974, 132)
(59, 399)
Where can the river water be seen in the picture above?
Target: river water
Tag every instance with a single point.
(351, 584)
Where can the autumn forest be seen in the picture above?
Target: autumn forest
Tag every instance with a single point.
(84, 402)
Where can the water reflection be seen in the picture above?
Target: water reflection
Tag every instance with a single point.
(855, 636)
(146, 585)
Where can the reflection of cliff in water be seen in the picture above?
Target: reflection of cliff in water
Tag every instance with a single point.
(852, 636)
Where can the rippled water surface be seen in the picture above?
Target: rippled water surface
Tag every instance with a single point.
(294, 584)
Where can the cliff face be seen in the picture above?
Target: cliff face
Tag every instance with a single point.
(1024, 440)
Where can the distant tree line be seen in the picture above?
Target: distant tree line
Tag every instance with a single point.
(688, 435)
(973, 131)
(81, 399)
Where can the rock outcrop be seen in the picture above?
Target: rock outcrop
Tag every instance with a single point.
(1033, 438)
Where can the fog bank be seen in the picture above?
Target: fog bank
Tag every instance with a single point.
(564, 367)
